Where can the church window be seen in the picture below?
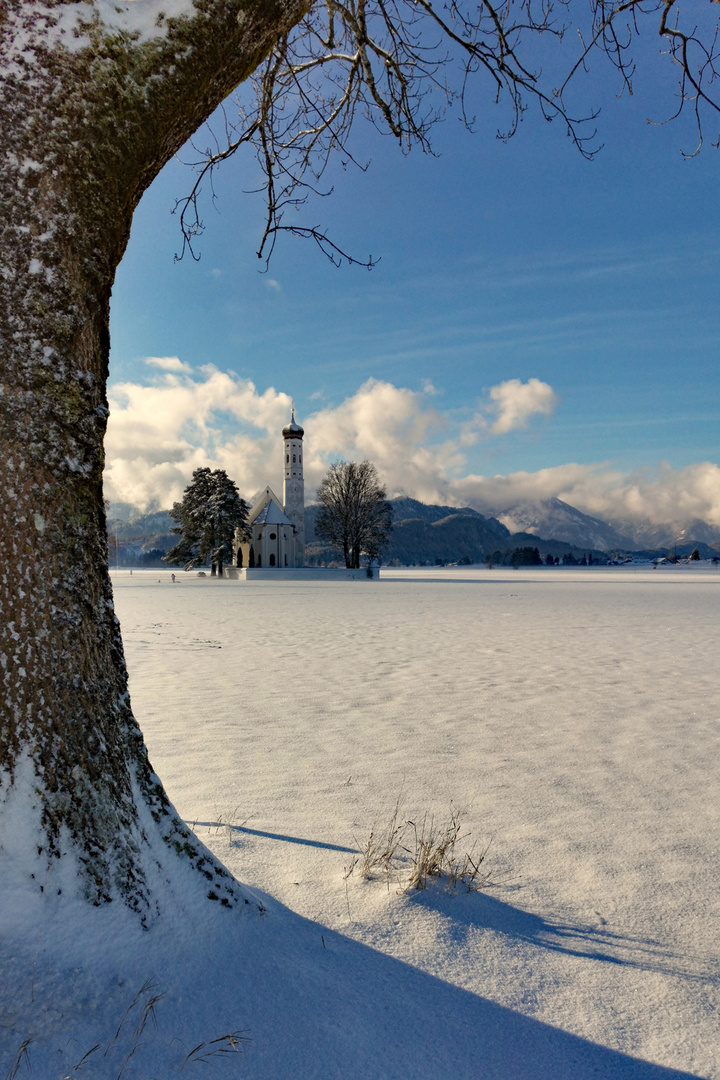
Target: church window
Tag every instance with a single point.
(287, 458)
(273, 536)
(300, 457)
(293, 459)
(272, 559)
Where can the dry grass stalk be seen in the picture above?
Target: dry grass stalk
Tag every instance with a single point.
(21, 1055)
(430, 851)
(145, 1001)
(147, 987)
(380, 852)
(225, 1044)
(85, 1058)
(435, 856)
(225, 819)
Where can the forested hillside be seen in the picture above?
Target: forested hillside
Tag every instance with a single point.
(436, 535)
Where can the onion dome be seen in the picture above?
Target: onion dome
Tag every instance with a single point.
(293, 430)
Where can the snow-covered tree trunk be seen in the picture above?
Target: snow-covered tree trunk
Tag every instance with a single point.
(96, 96)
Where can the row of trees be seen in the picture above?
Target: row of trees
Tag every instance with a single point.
(519, 556)
(530, 556)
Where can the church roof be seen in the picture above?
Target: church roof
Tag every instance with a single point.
(270, 514)
(267, 510)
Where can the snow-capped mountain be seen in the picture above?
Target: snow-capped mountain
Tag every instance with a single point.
(650, 534)
(557, 519)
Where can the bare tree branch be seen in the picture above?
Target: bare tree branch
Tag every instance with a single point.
(402, 63)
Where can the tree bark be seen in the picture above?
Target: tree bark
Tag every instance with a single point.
(88, 116)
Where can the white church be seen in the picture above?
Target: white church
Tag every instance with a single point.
(277, 529)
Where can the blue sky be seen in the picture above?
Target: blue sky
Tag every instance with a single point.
(500, 263)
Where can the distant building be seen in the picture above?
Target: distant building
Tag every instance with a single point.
(277, 530)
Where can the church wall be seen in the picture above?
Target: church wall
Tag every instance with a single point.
(305, 573)
(283, 547)
(265, 548)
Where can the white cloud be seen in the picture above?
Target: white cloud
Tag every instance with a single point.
(273, 284)
(392, 427)
(663, 495)
(516, 403)
(168, 363)
(158, 434)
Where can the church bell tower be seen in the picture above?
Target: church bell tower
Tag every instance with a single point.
(294, 485)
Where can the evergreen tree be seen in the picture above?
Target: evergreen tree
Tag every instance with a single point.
(525, 556)
(210, 514)
(228, 514)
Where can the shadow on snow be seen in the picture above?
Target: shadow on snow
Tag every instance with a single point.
(379, 1018)
(271, 835)
(483, 911)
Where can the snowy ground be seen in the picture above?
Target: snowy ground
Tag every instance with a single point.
(570, 716)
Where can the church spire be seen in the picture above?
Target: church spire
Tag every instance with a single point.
(292, 430)
(294, 484)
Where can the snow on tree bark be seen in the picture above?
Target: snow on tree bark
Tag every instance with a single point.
(89, 113)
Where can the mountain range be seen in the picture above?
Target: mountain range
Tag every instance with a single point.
(425, 533)
(555, 518)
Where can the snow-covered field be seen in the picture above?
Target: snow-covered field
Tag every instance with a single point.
(570, 716)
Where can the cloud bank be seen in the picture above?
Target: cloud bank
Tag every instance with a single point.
(159, 433)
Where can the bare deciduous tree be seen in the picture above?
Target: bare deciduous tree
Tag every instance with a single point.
(95, 99)
(355, 515)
